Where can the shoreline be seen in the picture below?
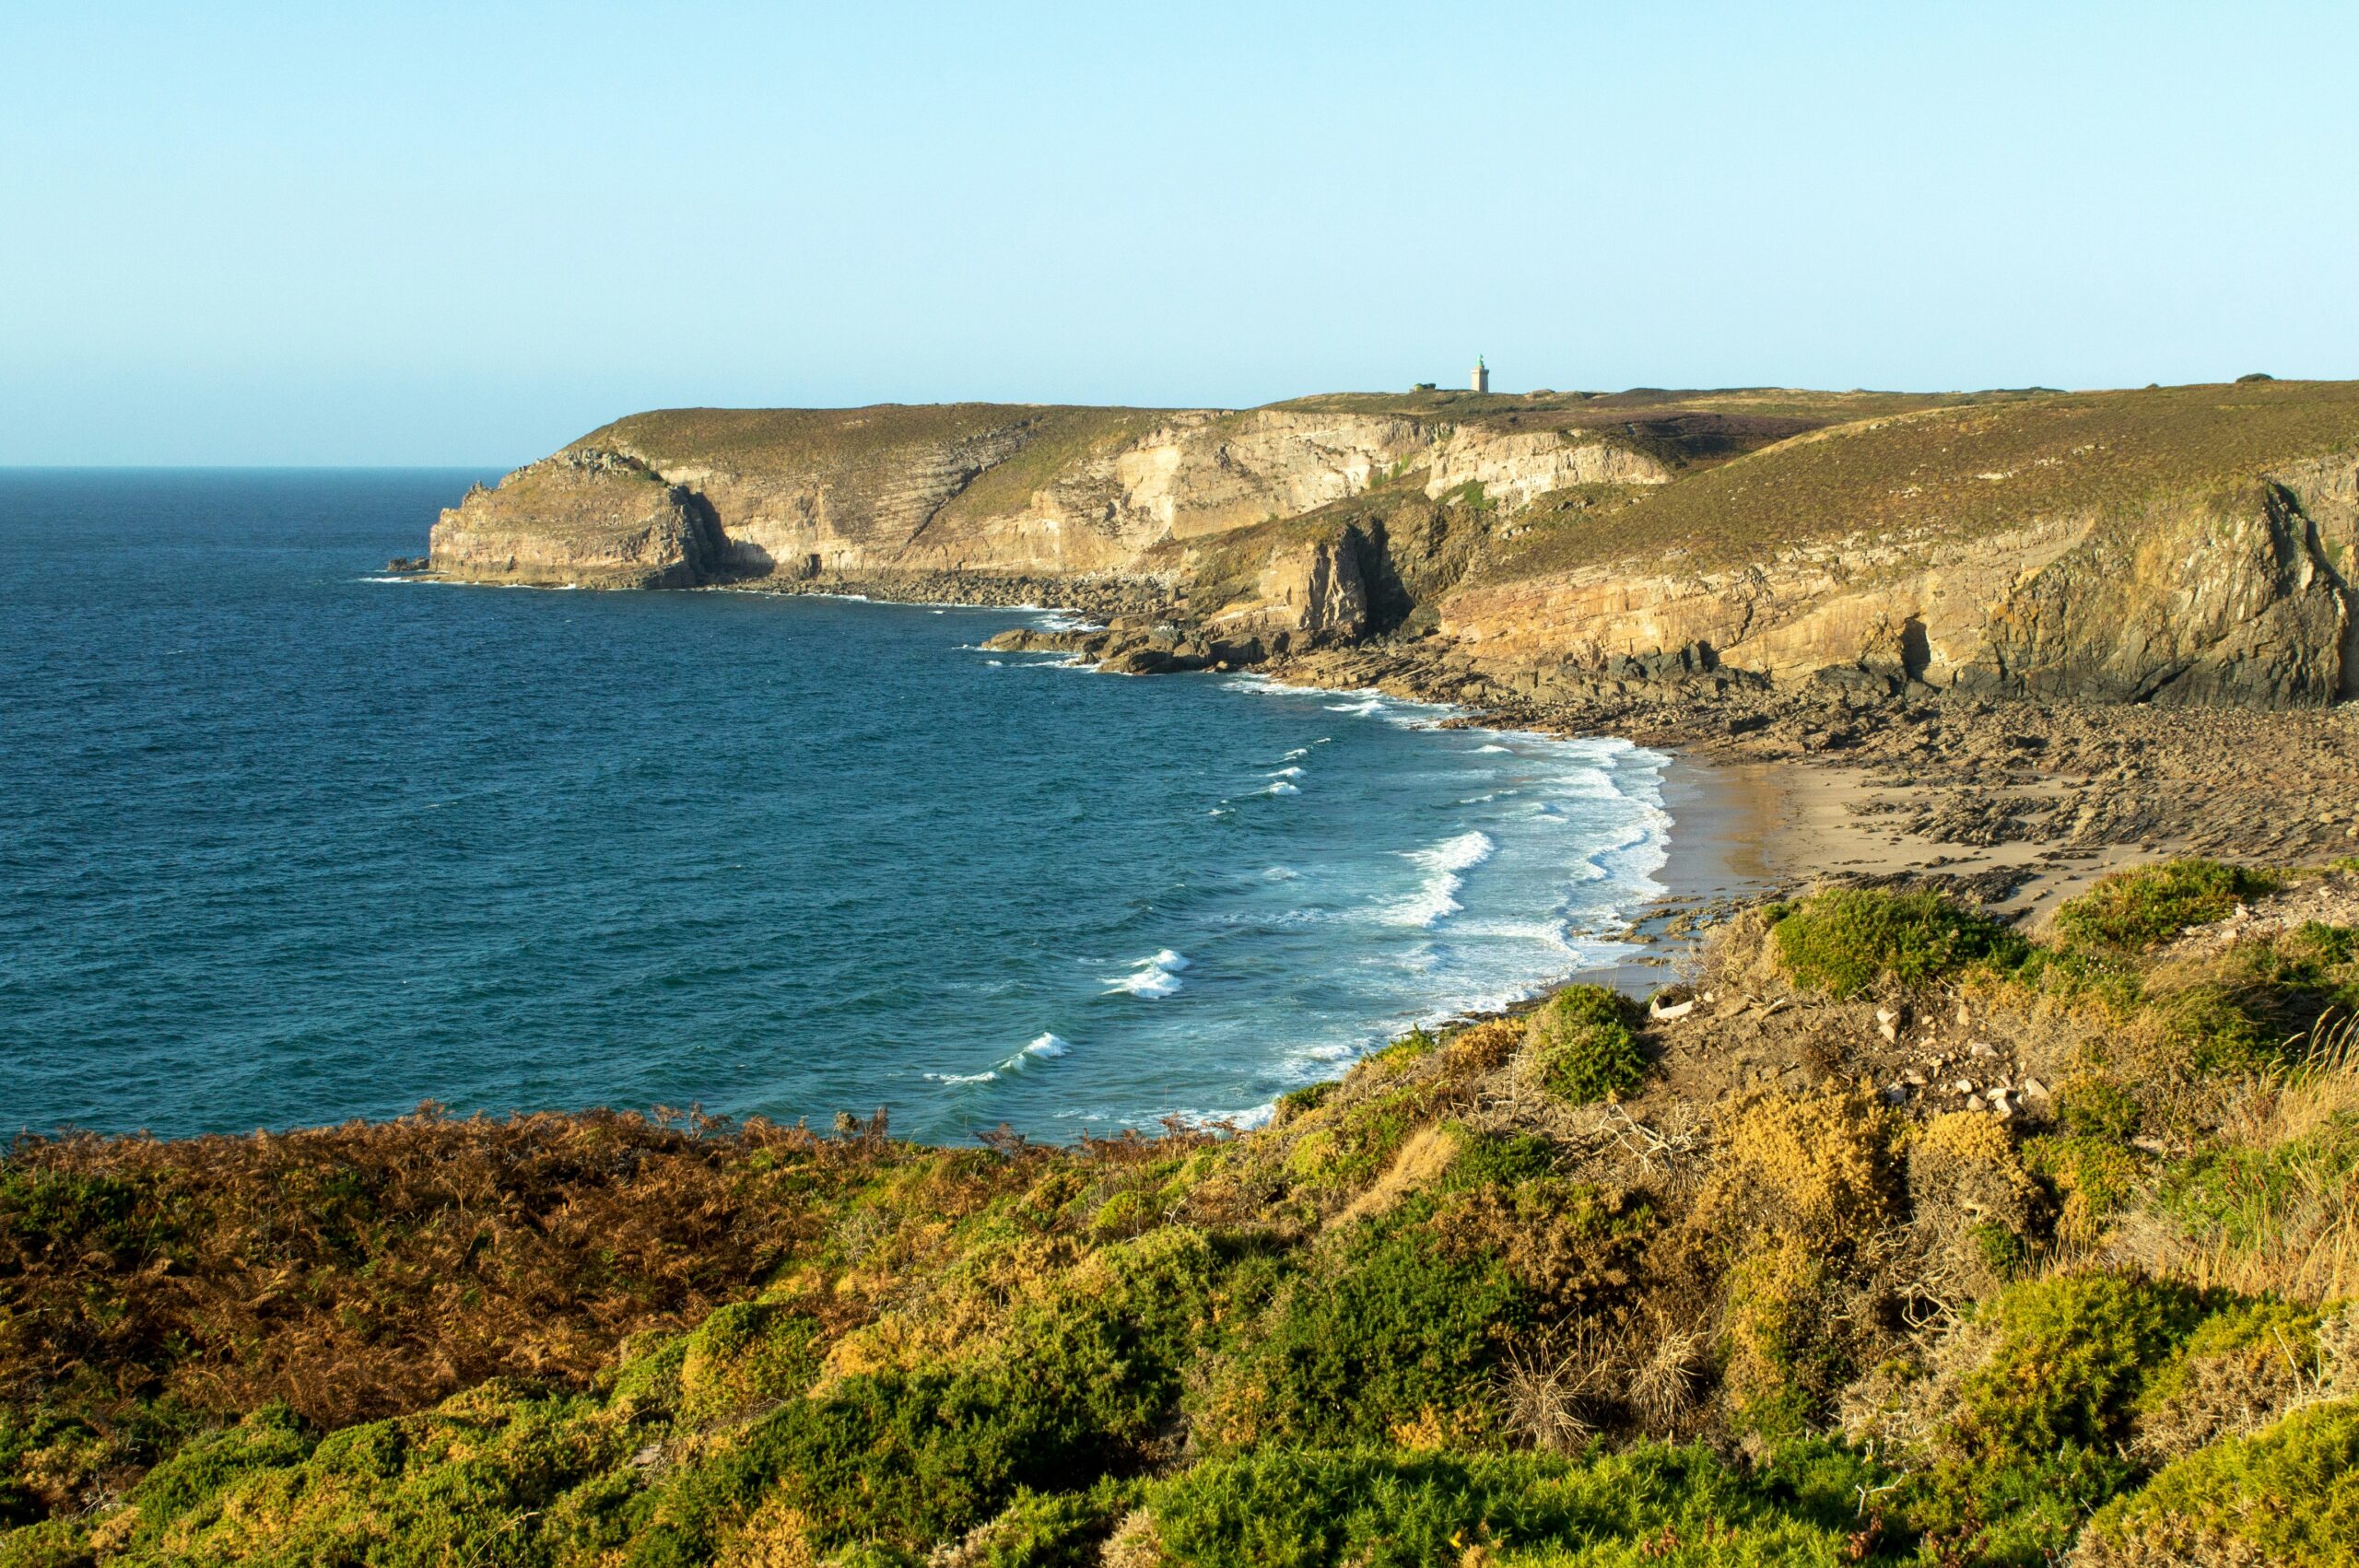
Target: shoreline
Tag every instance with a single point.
(1743, 827)
(1808, 818)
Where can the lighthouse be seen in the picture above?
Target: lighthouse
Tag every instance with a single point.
(1482, 375)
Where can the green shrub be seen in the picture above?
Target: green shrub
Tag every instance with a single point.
(2071, 1356)
(1302, 1101)
(53, 1543)
(2092, 1106)
(2039, 1439)
(1387, 1339)
(2131, 911)
(1075, 1387)
(1050, 1530)
(1313, 1508)
(1498, 1159)
(492, 1475)
(1586, 1046)
(2241, 1364)
(190, 1479)
(899, 1461)
(2288, 1495)
(2023, 1513)
(744, 1354)
(2093, 1178)
(1781, 1363)
(1848, 941)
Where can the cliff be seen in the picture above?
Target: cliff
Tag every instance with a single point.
(2184, 545)
(2188, 544)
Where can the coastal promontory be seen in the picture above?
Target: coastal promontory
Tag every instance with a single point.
(2185, 544)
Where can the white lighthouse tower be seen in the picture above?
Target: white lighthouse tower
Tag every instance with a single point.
(1482, 375)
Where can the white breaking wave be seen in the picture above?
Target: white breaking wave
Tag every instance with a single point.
(1296, 754)
(1047, 1048)
(1155, 977)
(1280, 873)
(1480, 750)
(1061, 621)
(1282, 787)
(1444, 864)
(1284, 773)
(1363, 708)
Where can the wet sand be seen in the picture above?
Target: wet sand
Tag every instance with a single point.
(1744, 831)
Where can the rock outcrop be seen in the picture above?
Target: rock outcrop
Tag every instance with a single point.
(2193, 606)
(586, 517)
(1515, 468)
(2241, 606)
(2196, 545)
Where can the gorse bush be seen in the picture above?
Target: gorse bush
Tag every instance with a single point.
(1316, 1508)
(2287, 1496)
(2131, 911)
(1849, 941)
(2071, 1361)
(1437, 1311)
(1586, 1046)
(1386, 1339)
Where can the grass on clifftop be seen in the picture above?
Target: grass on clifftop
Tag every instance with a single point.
(1953, 472)
(775, 440)
(1500, 1296)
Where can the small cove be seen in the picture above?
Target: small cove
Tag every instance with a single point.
(286, 844)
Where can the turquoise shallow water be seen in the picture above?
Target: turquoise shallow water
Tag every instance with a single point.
(282, 842)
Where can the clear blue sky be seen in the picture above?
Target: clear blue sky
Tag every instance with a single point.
(426, 233)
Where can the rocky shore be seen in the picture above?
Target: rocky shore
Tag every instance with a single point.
(2015, 802)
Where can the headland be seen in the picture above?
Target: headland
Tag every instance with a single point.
(1981, 1190)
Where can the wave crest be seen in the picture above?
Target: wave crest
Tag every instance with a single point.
(1444, 865)
(1155, 977)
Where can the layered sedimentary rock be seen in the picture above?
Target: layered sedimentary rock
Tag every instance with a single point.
(2194, 545)
(1514, 468)
(587, 517)
(2123, 547)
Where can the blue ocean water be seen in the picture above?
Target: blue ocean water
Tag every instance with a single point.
(284, 842)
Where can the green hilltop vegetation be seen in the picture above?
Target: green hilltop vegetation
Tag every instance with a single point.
(1954, 470)
(1529, 1291)
(850, 438)
(1755, 472)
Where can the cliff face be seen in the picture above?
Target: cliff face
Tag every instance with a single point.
(1515, 468)
(2150, 546)
(2190, 545)
(585, 517)
(870, 493)
(2236, 605)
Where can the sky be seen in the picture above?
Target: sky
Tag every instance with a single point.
(237, 233)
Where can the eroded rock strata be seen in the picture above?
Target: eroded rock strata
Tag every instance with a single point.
(2186, 545)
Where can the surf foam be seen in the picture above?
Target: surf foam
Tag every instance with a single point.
(1444, 865)
(1155, 977)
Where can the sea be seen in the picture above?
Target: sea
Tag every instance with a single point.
(285, 840)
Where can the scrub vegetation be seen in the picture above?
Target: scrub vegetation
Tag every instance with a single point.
(1968, 467)
(1507, 1293)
